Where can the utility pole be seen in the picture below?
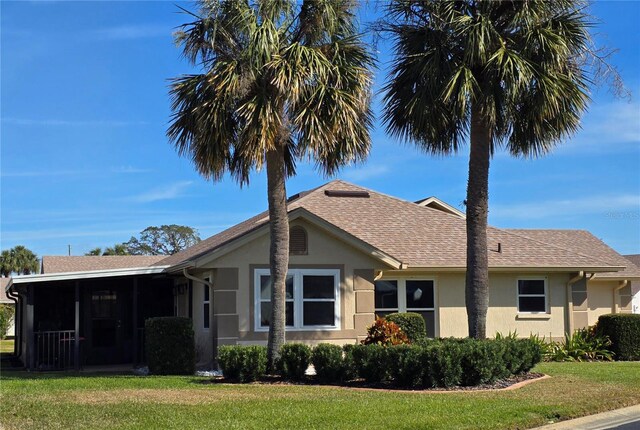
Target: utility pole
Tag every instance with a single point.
(69, 246)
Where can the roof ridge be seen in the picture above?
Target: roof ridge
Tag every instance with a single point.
(556, 246)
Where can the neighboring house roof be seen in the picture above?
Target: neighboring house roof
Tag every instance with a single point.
(634, 258)
(417, 236)
(64, 264)
(436, 203)
(584, 242)
(3, 294)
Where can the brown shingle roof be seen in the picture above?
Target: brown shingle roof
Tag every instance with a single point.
(634, 258)
(584, 242)
(62, 264)
(415, 235)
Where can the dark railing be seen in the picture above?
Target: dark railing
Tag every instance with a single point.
(54, 349)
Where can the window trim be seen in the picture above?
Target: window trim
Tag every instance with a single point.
(545, 295)
(402, 298)
(298, 299)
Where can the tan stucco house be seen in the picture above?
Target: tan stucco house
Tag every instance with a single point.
(355, 253)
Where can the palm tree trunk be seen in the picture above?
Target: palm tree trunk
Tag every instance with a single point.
(278, 252)
(477, 281)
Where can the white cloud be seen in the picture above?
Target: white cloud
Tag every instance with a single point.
(610, 204)
(168, 192)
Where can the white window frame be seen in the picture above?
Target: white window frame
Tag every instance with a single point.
(545, 295)
(298, 299)
(402, 299)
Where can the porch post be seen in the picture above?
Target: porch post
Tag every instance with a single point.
(31, 345)
(76, 343)
(135, 322)
(213, 324)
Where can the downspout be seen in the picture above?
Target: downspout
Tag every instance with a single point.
(213, 322)
(621, 285)
(572, 281)
(16, 343)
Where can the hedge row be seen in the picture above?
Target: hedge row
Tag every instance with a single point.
(432, 363)
(170, 346)
(624, 332)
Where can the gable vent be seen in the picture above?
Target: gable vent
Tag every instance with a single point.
(298, 241)
(346, 193)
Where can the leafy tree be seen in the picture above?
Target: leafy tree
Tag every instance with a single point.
(163, 240)
(507, 74)
(20, 260)
(7, 313)
(280, 81)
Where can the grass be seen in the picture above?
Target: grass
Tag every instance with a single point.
(6, 346)
(31, 401)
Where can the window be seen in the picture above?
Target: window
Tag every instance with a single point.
(532, 296)
(407, 295)
(311, 298)
(297, 241)
(205, 306)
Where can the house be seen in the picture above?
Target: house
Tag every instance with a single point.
(5, 300)
(355, 253)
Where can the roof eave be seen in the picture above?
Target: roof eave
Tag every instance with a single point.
(90, 274)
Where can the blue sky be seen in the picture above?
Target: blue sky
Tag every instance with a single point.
(85, 161)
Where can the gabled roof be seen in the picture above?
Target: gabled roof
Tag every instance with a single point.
(436, 203)
(417, 236)
(64, 264)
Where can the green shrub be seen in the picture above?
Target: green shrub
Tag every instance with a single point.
(243, 363)
(529, 353)
(329, 363)
(583, 345)
(386, 333)
(411, 323)
(7, 313)
(294, 360)
(624, 332)
(230, 360)
(406, 365)
(371, 362)
(170, 346)
(482, 362)
(349, 369)
(442, 363)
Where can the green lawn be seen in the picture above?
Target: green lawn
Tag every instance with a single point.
(6, 346)
(64, 401)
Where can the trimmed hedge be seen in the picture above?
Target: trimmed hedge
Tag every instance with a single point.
(294, 360)
(431, 363)
(411, 323)
(170, 346)
(328, 361)
(243, 363)
(624, 332)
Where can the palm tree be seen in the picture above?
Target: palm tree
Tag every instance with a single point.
(280, 81)
(94, 251)
(117, 249)
(23, 260)
(7, 264)
(506, 74)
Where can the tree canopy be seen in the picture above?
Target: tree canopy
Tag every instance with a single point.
(19, 260)
(163, 240)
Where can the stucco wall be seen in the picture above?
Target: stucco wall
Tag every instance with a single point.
(324, 251)
(503, 313)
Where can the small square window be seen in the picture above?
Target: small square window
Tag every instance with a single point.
(532, 297)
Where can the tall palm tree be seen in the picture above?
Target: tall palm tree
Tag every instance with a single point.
(280, 81)
(507, 74)
(7, 264)
(117, 249)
